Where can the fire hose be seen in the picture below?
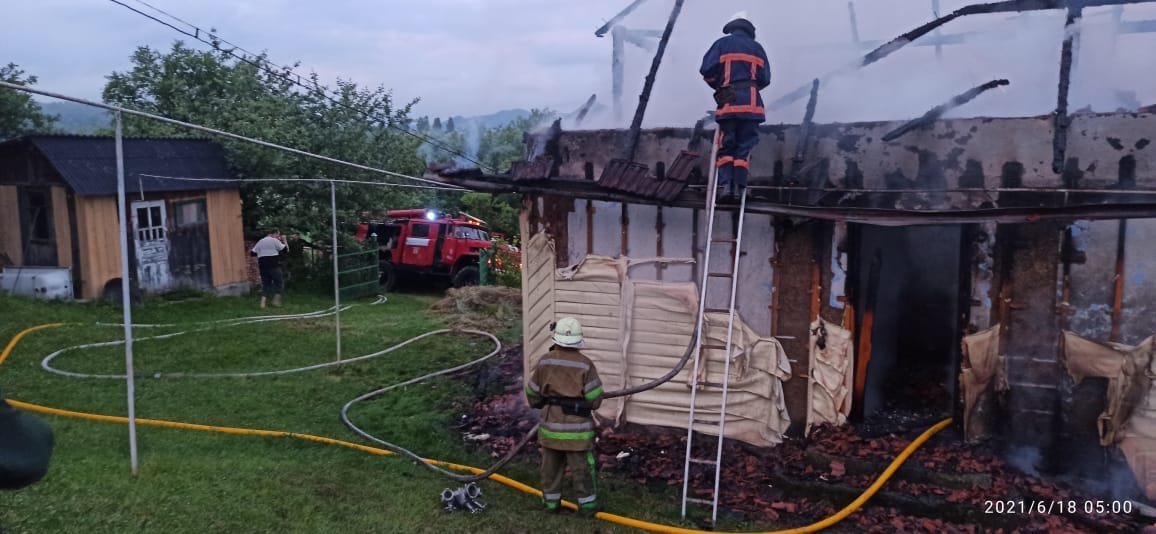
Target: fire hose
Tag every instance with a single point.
(613, 518)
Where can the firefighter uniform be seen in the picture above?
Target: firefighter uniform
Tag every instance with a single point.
(737, 68)
(565, 385)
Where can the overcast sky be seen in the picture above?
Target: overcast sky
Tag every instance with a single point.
(470, 57)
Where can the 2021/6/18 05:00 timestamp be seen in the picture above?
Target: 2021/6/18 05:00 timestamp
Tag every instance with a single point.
(1030, 507)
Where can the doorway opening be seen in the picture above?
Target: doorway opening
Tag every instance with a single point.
(912, 296)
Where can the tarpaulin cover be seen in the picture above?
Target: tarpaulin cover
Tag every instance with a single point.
(1130, 418)
(637, 331)
(830, 384)
(983, 370)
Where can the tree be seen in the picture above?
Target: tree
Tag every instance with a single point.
(499, 211)
(251, 98)
(437, 125)
(450, 124)
(423, 125)
(19, 113)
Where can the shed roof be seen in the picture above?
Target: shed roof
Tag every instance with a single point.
(88, 163)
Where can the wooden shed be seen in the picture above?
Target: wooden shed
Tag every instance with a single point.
(58, 208)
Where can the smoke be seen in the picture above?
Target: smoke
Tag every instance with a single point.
(1024, 459)
(806, 40)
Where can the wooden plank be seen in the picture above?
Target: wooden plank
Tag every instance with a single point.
(100, 243)
(227, 253)
(10, 242)
(61, 226)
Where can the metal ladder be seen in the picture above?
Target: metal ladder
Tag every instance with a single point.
(707, 276)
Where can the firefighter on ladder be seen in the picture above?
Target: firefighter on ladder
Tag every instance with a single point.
(565, 385)
(737, 68)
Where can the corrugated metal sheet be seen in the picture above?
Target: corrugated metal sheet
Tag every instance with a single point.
(88, 164)
(537, 295)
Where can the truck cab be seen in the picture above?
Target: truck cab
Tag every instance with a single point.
(427, 243)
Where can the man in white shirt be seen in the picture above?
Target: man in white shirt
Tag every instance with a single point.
(268, 252)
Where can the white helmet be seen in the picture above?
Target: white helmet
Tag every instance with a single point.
(568, 333)
(741, 15)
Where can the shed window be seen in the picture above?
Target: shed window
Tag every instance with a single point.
(38, 215)
(190, 212)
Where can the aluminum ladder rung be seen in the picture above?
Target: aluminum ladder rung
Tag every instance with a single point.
(695, 383)
(715, 347)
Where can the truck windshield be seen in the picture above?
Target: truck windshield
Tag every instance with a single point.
(469, 232)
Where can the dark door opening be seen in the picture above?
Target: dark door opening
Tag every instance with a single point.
(914, 284)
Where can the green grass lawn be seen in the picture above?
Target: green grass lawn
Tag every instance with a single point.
(207, 482)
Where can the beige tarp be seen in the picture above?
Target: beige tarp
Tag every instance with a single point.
(982, 370)
(830, 382)
(1130, 418)
(637, 331)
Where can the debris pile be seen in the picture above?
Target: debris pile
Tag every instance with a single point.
(490, 308)
(946, 486)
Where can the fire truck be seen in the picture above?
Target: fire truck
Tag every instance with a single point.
(427, 243)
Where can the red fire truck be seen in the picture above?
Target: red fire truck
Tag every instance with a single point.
(427, 243)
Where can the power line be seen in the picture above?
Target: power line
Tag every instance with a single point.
(334, 180)
(222, 133)
(292, 77)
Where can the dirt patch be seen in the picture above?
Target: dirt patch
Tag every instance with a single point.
(944, 487)
(489, 308)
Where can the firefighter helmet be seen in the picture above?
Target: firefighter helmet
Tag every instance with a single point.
(568, 333)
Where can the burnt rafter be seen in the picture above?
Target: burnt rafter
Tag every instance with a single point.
(935, 113)
(1063, 120)
(890, 47)
(648, 85)
(617, 18)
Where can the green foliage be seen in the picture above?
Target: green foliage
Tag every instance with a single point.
(19, 113)
(214, 89)
(499, 211)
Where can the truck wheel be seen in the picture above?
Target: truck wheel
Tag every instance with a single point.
(388, 277)
(467, 276)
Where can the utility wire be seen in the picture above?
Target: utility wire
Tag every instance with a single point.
(338, 181)
(286, 73)
(221, 133)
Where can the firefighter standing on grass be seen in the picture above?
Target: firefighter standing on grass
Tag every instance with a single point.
(737, 68)
(565, 385)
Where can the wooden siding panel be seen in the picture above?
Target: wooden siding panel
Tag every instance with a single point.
(226, 236)
(63, 230)
(10, 224)
(98, 226)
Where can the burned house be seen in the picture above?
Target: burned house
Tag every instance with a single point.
(950, 269)
(58, 210)
(993, 270)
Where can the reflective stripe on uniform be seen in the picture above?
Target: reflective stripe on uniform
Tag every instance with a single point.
(742, 163)
(565, 436)
(563, 363)
(552, 496)
(564, 427)
(587, 500)
(592, 384)
(533, 389)
(725, 160)
(593, 394)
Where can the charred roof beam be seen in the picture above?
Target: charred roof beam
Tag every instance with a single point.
(935, 113)
(616, 18)
(1062, 119)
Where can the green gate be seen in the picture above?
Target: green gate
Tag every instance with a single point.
(358, 273)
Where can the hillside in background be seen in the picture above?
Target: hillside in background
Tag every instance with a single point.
(493, 120)
(77, 118)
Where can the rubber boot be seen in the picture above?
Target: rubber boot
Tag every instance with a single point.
(262, 303)
(277, 300)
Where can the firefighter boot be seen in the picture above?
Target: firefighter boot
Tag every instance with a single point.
(277, 300)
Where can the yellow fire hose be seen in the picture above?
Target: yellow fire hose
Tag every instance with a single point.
(612, 518)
